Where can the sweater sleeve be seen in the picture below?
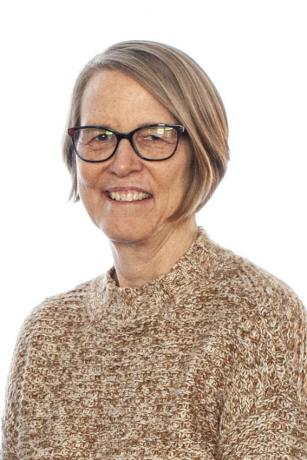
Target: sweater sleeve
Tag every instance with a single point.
(10, 420)
(265, 408)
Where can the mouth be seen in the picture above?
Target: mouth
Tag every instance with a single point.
(131, 196)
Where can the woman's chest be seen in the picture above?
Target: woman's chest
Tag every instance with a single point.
(148, 393)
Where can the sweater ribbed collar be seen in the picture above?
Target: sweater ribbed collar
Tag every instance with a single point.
(112, 308)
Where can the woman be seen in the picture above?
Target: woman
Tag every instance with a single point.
(183, 349)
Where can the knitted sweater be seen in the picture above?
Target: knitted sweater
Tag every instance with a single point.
(207, 361)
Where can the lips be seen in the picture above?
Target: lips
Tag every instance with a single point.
(127, 189)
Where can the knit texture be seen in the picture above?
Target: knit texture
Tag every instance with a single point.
(205, 362)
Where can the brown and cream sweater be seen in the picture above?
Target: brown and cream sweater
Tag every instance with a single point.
(205, 362)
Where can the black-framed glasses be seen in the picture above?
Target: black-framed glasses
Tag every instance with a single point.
(151, 142)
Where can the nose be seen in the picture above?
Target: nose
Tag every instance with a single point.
(125, 160)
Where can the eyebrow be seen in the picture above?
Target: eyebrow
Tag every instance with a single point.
(141, 125)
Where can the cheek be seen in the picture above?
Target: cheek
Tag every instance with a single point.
(86, 177)
(181, 177)
(88, 188)
(186, 175)
(175, 188)
(173, 181)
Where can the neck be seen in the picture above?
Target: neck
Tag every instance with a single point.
(139, 263)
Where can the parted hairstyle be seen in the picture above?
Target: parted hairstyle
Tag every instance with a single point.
(181, 86)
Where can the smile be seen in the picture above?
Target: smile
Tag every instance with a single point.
(128, 196)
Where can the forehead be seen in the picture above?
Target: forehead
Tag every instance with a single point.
(114, 97)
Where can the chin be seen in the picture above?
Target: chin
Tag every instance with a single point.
(126, 233)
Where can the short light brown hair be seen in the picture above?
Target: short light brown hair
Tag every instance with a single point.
(182, 87)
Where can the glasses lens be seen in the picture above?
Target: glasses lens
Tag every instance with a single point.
(156, 142)
(94, 143)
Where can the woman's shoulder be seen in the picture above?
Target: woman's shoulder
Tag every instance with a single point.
(58, 311)
(75, 293)
(257, 290)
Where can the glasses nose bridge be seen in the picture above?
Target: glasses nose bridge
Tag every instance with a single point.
(127, 136)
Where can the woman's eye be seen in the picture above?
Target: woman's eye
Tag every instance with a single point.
(152, 138)
(102, 137)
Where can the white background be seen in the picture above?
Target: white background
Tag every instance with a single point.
(255, 53)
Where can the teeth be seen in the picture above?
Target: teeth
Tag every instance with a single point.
(128, 196)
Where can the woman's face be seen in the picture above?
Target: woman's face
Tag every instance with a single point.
(115, 100)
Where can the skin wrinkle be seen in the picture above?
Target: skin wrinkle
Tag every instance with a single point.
(181, 350)
(108, 372)
(143, 242)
